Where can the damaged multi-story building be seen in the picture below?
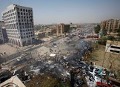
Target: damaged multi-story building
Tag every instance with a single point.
(19, 24)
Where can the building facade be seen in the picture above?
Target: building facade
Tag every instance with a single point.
(19, 24)
(62, 29)
(3, 34)
(111, 25)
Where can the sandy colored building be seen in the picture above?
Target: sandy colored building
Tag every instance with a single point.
(62, 29)
(110, 25)
(58, 30)
(113, 46)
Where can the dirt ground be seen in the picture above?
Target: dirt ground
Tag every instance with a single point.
(107, 60)
(45, 81)
(7, 49)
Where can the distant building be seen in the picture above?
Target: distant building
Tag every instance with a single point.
(113, 47)
(19, 24)
(45, 33)
(3, 34)
(62, 29)
(56, 30)
(111, 25)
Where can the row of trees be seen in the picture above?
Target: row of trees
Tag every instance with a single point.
(98, 30)
(103, 39)
(102, 33)
(104, 36)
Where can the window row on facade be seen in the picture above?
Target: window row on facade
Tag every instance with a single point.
(16, 33)
(24, 9)
(11, 21)
(26, 33)
(9, 30)
(10, 11)
(18, 9)
(26, 30)
(26, 26)
(13, 33)
(9, 15)
(22, 37)
(21, 26)
(13, 36)
(21, 16)
(11, 26)
(24, 14)
(10, 18)
(25, 20)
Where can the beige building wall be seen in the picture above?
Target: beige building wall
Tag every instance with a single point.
(110, 25)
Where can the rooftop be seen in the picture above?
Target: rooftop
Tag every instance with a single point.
(13, 81)
(113, 42)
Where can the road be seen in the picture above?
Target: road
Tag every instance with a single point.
(29, 49)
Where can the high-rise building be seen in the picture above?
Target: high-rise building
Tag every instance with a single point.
(19, 24)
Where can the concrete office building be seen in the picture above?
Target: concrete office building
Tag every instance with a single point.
(19, 24)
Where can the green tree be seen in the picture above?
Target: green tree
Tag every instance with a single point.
(97, 29)
(118, 31)
(102, 40)
(118, 34)
(104, 32)
(110, 38)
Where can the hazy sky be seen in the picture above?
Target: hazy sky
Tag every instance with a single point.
(66, 11)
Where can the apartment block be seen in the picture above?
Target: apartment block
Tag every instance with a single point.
(62, 29)
(110, 25)
(19, 24)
